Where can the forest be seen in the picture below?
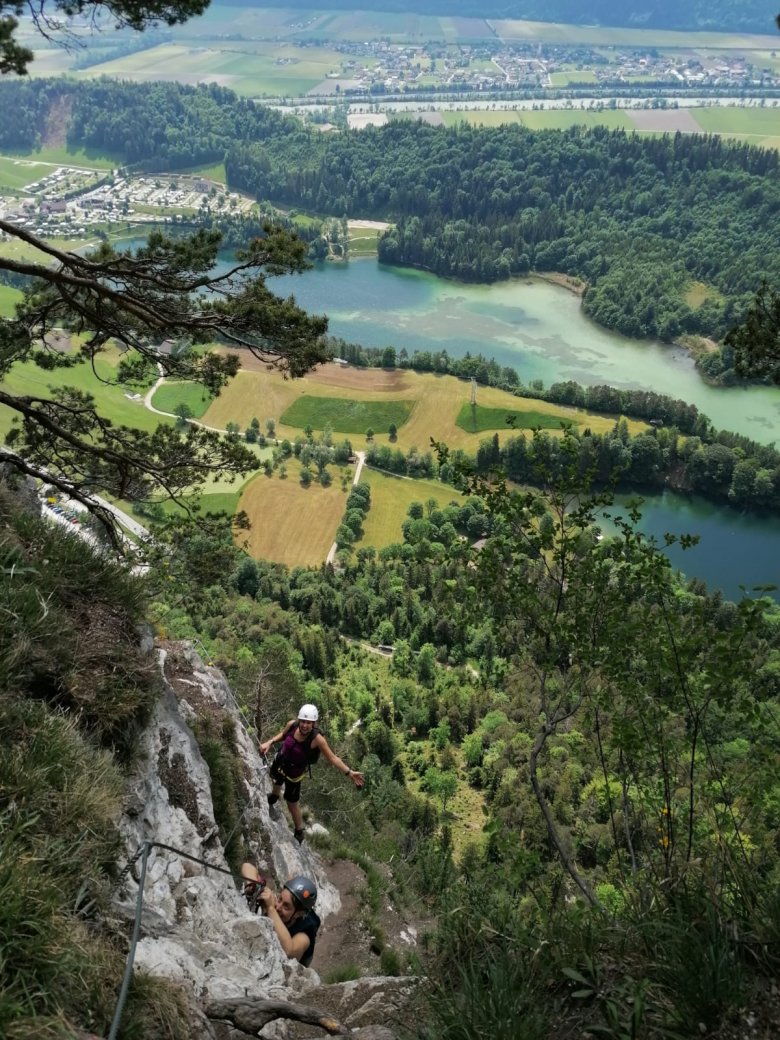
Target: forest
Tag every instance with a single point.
(639, 219)
(608, 715)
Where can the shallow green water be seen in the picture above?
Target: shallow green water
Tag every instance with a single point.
(537, 328)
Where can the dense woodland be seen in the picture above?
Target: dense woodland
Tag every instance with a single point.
(745, 15)
(638, 219)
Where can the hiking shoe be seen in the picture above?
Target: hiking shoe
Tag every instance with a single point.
(298, 835)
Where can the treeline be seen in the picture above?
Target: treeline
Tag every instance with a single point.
(729, 469)
(746, 15)
(639, 219)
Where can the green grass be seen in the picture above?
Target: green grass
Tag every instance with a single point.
(215, 172)
(9, 297)
(18, 173)
(564, 78)
(364, 244)
(92, 158)
(477, 419)
(606, 36)
(219, 503)
(748, 121)
(346, 416)
(15, 249)
(391, 497)
(111, 401)
(170, 395)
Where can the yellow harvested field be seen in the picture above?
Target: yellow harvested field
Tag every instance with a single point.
(292, 524)
(391, 497)
(438, 399)
(296, 525)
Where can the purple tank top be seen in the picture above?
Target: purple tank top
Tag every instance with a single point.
(295, 755)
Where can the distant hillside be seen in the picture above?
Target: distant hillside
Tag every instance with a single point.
(726, 15)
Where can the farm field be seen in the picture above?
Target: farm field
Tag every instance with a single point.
(346, 415)
(391, 497)
(606, 36)
(437, 403)
(478, 419)
(760, 126)
(250, 67)
(567, 76)
(292, 524)
(753, 122)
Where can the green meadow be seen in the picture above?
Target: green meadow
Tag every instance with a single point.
(112, 400)
(90, 158)
(346, 416)
(9, 297)
(478, 419)
(169, 396)
(718, 119)
(17, 173)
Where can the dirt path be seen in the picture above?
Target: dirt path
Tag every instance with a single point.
(344, 941)
(361, 458)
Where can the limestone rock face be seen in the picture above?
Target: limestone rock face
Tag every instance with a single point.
(196, 926)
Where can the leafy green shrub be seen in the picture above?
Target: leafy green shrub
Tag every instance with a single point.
(492, 996)
(695, 957)
(69, 628)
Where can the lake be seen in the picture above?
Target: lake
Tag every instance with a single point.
(528, 324)
(540, 330)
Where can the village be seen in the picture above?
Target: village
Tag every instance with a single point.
(382, 67)
(72, 202)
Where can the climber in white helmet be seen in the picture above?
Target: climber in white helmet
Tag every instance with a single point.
(301, 743)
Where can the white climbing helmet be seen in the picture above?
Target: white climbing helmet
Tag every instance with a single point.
(308, 713)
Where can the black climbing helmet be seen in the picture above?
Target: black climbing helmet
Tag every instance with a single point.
(303, 891)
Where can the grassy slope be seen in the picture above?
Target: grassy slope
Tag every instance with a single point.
(391, 497)
(9, 297)
(111, 399)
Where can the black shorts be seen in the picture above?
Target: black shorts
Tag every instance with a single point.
(292, 788)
